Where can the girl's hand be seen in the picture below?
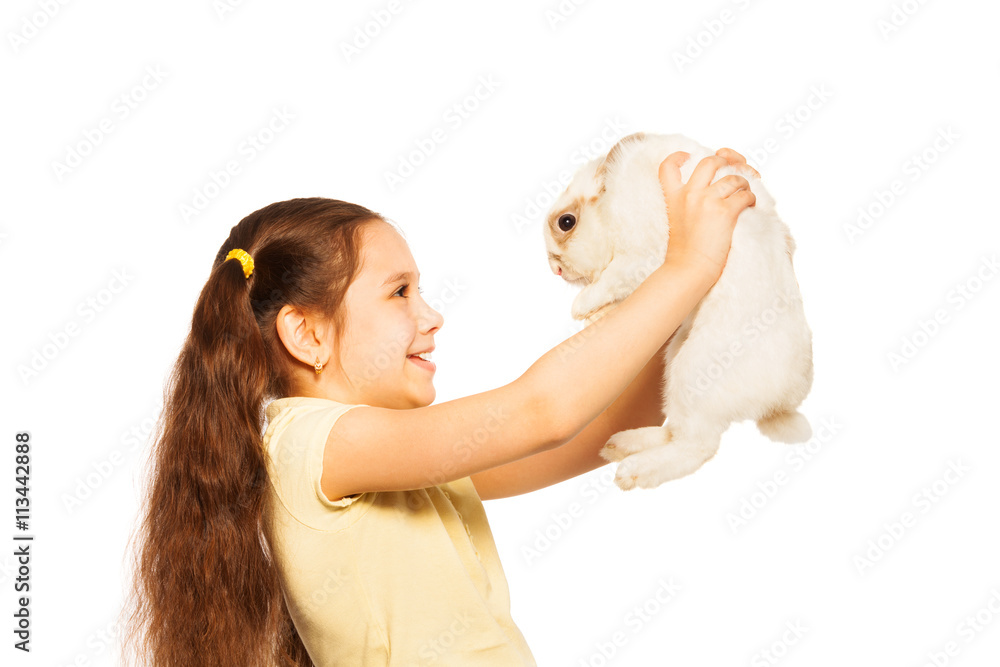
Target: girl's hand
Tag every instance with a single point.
(703, 214)
(732, 157)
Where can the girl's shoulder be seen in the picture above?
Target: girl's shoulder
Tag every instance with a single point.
(279, 405)
(294, 440)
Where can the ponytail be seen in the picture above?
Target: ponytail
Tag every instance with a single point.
(205, 589)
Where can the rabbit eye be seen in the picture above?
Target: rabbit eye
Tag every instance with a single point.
(566, 221)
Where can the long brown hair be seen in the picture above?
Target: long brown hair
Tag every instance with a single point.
(205, 590)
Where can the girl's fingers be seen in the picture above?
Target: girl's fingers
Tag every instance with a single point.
(705, 171)
(741, 199)
(727, 185)
(670, 170)
(732, 157)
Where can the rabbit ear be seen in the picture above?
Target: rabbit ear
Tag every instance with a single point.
(615, 155)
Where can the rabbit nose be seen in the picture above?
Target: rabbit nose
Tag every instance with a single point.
(558, 270)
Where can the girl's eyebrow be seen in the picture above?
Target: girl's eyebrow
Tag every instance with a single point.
(399, 276)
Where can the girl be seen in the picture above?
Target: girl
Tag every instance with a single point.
(350, 530)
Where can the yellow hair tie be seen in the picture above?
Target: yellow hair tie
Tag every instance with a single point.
(245, 259)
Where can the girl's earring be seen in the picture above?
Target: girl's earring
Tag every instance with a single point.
(318, 366)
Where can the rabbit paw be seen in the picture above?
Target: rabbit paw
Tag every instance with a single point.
(636, 471)
(599, 313)
(632, 441)
(656, 465)
(591, 298)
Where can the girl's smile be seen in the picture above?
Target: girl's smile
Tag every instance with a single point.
(387, 318)
(427, 364)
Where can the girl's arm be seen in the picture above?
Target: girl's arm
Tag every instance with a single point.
(640, 405)
(381, 449)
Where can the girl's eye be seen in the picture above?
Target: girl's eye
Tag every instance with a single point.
(403, 287)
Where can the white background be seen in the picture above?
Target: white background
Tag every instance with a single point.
(864, 102)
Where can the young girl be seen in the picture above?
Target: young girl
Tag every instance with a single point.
(350, 530)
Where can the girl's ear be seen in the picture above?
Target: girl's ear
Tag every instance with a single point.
(302, 335)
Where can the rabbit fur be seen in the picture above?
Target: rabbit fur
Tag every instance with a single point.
(744, 351)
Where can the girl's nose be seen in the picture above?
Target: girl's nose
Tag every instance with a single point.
(430, 319)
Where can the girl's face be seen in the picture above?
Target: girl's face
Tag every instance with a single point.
(387, 320)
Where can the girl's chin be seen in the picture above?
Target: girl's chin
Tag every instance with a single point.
(425, 398)
(418, 394)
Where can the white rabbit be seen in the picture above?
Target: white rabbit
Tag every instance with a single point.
(744, 352)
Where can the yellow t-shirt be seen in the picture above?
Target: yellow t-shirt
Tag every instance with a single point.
(383, 577)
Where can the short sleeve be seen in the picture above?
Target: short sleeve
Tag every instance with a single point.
(296, 440)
